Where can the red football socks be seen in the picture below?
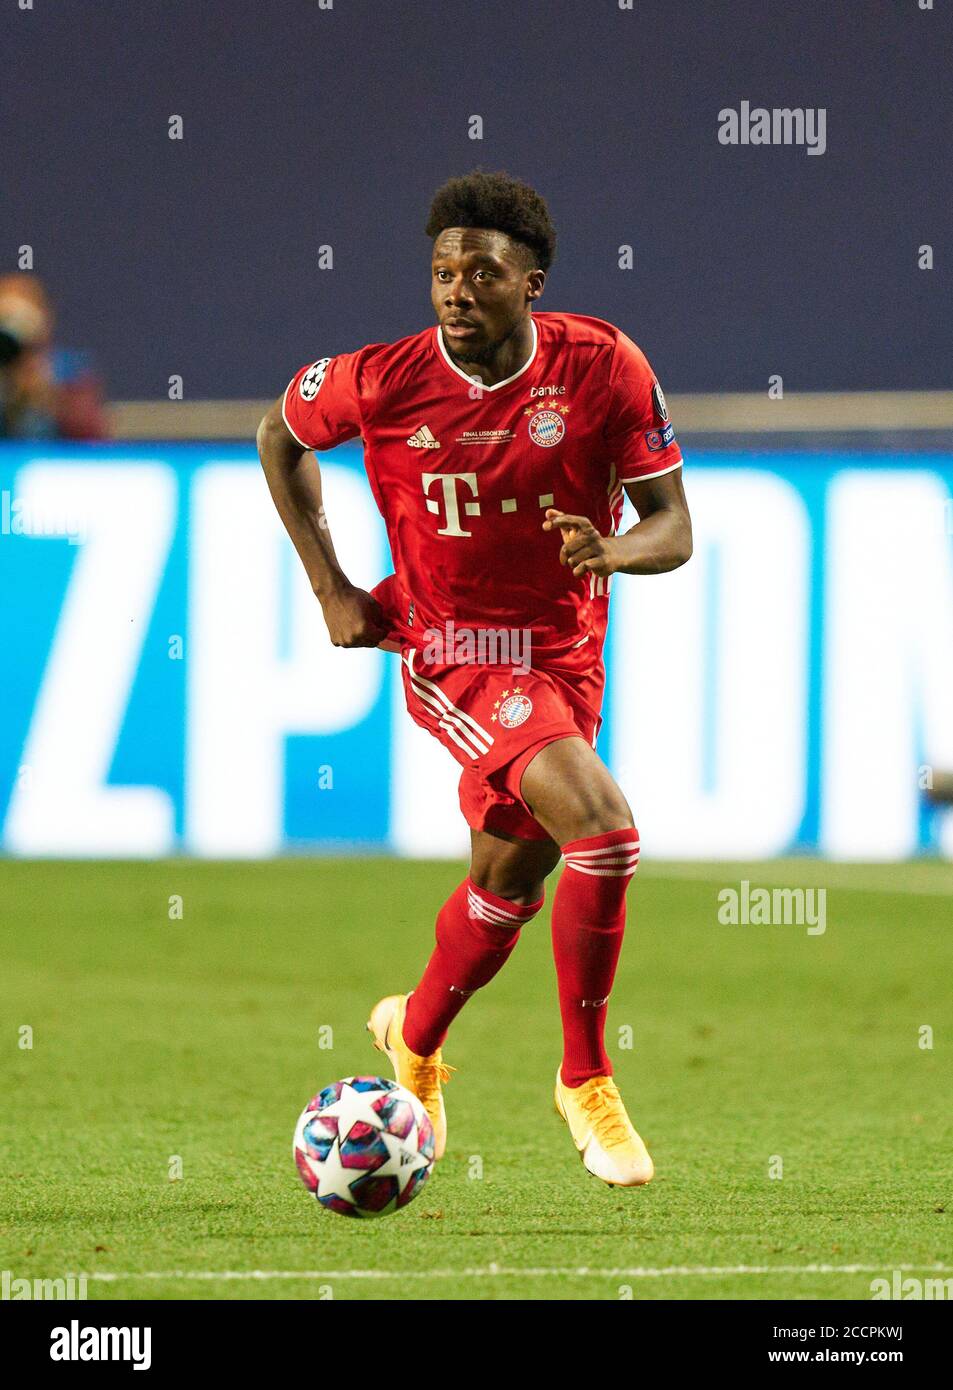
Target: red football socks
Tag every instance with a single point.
(476, 933)
(588, 924)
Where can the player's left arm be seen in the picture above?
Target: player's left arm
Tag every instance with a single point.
(661, 540)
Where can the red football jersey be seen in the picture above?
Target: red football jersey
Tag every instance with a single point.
(463, 473)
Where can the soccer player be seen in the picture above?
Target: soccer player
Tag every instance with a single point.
(498, 445)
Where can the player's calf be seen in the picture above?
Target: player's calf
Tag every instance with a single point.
(588, 927)
(476, 933)
(573, 795)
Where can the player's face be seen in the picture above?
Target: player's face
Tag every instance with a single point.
(480, 290)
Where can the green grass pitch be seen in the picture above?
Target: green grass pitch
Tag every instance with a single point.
(199, 1038)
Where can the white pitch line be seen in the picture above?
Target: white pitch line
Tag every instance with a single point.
(492, 1270)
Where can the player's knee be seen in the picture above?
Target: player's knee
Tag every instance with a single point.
(519, 889)
(513, 872)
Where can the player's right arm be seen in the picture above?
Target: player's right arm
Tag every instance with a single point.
(353, 617)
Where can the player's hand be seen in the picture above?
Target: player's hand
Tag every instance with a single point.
(583, 548)
(354, 618)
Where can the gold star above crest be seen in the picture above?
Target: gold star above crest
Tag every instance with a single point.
(517, 690)
(505, 693)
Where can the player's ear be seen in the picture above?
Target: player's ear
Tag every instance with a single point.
(535, 283)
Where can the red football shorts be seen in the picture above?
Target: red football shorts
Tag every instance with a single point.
(494, 720)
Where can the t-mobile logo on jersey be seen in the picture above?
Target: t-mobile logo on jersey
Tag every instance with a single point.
(451, 502)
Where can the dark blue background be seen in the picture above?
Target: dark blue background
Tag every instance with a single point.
(306, 126)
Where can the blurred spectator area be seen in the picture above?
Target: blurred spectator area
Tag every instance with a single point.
(902, 421)
(47, 391)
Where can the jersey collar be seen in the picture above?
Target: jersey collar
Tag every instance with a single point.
(497, 386)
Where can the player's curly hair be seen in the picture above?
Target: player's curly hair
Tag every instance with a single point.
(500, 203)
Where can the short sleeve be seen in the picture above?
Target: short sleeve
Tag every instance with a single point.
(638, 432)
(322, 405)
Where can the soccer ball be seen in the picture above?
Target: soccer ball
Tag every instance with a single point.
(364, 1146)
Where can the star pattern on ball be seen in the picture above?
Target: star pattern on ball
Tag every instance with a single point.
(355, 1107)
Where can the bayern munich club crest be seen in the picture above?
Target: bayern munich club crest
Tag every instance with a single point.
(515, 709)
(546, 428)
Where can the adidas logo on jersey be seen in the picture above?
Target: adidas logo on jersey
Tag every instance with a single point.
(423, 439)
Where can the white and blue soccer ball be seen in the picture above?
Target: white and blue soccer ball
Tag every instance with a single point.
(364, 1146)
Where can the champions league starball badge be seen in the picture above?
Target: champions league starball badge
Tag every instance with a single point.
(658, 401)
(312, 379)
